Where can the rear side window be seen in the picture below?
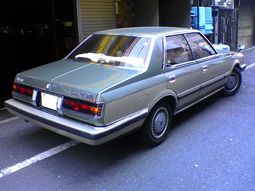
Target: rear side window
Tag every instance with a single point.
(177, 50)
(200, 47)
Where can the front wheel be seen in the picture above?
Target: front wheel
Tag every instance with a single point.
(233, 84)
(157, 124)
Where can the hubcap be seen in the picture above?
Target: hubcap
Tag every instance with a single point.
(160, 122)
(232, 82)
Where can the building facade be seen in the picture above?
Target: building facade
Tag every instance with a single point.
(230, 22)
(94, 15)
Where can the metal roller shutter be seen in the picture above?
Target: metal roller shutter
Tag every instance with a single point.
(95, 15)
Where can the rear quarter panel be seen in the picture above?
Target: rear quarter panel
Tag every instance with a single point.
(130, 98)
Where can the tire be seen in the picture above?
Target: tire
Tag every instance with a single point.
(157, 124)
(233, 84)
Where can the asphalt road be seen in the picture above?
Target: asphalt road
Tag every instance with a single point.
(211, 147)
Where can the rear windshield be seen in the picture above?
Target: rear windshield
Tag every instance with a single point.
(116, 50)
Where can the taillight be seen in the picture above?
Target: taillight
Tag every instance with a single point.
(81, 106)
(25, 90)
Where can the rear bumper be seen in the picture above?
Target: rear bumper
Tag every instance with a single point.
(89, 134)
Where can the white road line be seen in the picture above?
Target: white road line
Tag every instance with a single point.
(8, 120)
(247, 49)
(250, 66)
(36, 158)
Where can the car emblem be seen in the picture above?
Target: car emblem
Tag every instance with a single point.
(20, 79)
(48, 86)
(84, 95)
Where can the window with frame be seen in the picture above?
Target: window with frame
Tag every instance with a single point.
(177, 50)
(200, 47)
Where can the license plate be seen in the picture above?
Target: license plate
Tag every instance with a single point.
(49, 101)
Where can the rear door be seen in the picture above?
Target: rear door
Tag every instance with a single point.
(183, 74)
(213, 66)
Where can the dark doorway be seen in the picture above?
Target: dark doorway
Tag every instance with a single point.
(124, 10)
(33, 33)
(174, 13)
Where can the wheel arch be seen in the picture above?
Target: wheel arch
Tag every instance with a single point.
(236, 64)
(154, 129)
(169, 98)
(234, 81)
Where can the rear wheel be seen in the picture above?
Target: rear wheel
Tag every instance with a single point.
(157, 124)
(233, 84)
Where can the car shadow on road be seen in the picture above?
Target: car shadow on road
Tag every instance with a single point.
(195, 110)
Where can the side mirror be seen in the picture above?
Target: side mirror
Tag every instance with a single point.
(240, 48)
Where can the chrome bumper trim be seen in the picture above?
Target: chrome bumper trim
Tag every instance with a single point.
(243, 66)
(89, 134)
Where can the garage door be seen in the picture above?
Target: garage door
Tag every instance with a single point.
(95, 15)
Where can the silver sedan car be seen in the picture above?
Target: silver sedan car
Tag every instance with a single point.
(121, 80)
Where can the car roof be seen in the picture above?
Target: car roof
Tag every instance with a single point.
(146, 31)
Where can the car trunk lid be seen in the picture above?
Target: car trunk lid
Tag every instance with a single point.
(75, 79)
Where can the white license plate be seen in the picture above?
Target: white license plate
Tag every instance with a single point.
(49, 101)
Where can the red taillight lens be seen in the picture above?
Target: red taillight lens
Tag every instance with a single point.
(83, 107)
(25, 90)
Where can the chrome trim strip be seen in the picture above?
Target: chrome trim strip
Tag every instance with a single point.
(189, 91)
(200, 87)
(144, 34)
(207, 40)
(243, 67)
(209, 82)
(77, 47)
(191, 62)
(59, 104)
(164, 53)
(170, 33)
(35, 92)
(207, 58)
(203, 98)
(83, 132)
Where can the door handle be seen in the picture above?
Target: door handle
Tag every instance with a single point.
(205, 68)
(172, 78)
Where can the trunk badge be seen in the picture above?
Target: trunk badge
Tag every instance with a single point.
(20, 79)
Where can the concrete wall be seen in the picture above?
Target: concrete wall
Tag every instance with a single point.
(246, 22)
(146, 13)
(174, 13)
